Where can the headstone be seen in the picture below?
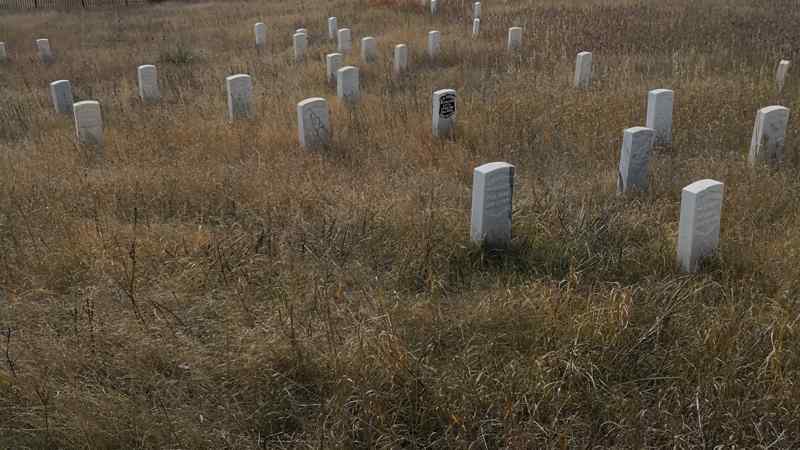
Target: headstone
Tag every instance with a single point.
(333, 61)
(148, 83)
(780, 75)
(492, 195)
(583, 70)
(444, 112)
(3, 54)
(769, 134)
(369, 50)
(659, 114)
(476, 27)
(400, 59)
(698, 232)
(61, 93)
(300, 41)
(347, 88)
(514, 38)
(345, 40)
(313, 123)
(88, 122)
(634, 158)
(45, 53)
(240, 97)
(434, 43)
(260, 30)
(333, 28)
(302, 30)
(434, 6)
(476, 10)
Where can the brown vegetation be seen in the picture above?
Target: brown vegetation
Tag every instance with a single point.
(214, 286)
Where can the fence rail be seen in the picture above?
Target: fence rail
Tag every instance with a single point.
(65, 4)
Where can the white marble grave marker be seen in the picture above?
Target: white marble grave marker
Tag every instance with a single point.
(260, 30)
(434, 43)
(769, 134)
(514, 38)
(45, 52)
(492, 195)
(698, 232)
(240, 97)
(347, 88)
(434, 6)
(300, 42)
(634, 158)
(333, 62)
(369, 50)
(780, 75)
(444, 112)
(333, 28)
(313, 123)
(61, 93)
(476, 27)
(659, 114)
(400, 59)
(476, 10)
(148, 83)
(583, 70)
(3, 54)
(345, 43)
(88, 122)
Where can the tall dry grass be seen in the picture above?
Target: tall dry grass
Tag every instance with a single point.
(214, 286)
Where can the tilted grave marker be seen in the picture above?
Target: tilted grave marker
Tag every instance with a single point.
(61, 93)
(492, 195)
(769, 135)
(698, 231)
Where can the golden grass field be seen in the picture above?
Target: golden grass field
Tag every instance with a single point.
(212, 285)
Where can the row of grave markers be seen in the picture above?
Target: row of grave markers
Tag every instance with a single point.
(701, 201)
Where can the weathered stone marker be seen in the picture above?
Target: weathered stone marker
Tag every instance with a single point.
(434, 6)
(3, 54)
(780, 75)
(61, 93)
(333, 61)
(240, 97)
(659, 114)
(313, 123)
(514, 38)
(260, 30)
(347, 86)
(300, 42)
(345, 43)
(369, 50)
(634, 158)
(88, 123)
(148, 83)
(476, 10)
(434, 43)
(698, 232)
(492, 195)
(444, 112)
(302, 30)
(400, 59)
(476, 27)
(333, 28)
(769, 134)
(583, 70)
(45, 52)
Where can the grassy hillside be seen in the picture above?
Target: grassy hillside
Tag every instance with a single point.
(213, 285)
